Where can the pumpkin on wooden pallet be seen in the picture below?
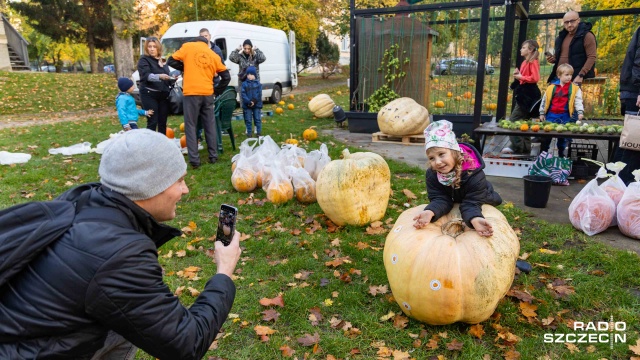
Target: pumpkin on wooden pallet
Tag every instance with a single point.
(354, 190)
(403, 116)
(446, 272)
(322, 106)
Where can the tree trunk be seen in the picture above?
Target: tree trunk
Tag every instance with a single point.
(122, 46)
(92, 54)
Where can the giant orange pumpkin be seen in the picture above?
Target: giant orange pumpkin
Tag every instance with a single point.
(354, 190)
(446, 272)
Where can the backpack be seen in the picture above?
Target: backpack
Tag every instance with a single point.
(27, 229)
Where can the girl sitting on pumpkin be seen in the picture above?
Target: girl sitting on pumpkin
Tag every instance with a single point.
(455, 176)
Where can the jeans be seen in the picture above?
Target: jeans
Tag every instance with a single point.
(158, 101)
(115, 348)
(254, 113)
(200, 108)
(562, 142)
(629, 157)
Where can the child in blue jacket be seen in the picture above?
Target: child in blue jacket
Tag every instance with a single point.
(126, 105)
(252, 101)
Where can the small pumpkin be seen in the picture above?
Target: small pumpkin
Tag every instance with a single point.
(435, 81)
(524, 127)
(491, 106)
(403, 116)
(439, 104)
(279, 110)
(310, 134)
(321, 106)
(354, 190)
(446, 272)
(170, 133)
(449, 94)
(535, 128)
(183, 141)
(279, 192)
(290, 107)
(467, 95)
(338, 92)
(182, 127)
(291, 140)
(243, 179)
(291, 97)
(281, 103)
(305, 192)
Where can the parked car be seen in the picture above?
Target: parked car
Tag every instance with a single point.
(461, 66)
(48, 68)
(109, 68)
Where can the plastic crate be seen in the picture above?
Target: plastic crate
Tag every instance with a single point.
(579, 151)
(507, 167)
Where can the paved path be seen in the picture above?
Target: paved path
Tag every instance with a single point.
(511, 189)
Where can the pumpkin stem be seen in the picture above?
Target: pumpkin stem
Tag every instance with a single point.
(453, 228)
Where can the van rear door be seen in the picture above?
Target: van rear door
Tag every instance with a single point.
(292, 57)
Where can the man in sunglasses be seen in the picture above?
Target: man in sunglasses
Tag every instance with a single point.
(576, 46)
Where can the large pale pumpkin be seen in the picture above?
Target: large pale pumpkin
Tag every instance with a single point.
(446, 272)
(322, 106)
(354, 190)
(403, 116)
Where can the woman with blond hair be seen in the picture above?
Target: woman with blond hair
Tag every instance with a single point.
(155, 83)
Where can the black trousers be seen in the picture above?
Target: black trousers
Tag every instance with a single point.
(158, 102)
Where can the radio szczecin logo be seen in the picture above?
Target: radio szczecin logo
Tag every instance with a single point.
(599, 332)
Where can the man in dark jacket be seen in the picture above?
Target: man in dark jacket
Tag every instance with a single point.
(246, 55)
(98, 291)
(630, 103)
(576, 46)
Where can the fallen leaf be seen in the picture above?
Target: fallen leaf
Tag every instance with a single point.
(635, 348)
(432, 344)
(194, 292)
(315, 316)
(388, 316)
(278, 300)
(476, 330)
(376, 228)
(548, 320)
(308, 340)
(400, 355)
(263, 330)
(400, 322)
(591, 349)
(597, 273)
(270, 315)
(454, 345)
(520, 295)
(287, 351)
(409, 194)
(181, 253)
(375, 290)
(547, 251)
(179, 291)
(572, 347)
(511, 355)
(528, 310)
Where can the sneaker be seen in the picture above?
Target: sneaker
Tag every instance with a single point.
(194, 166)
(506, 150)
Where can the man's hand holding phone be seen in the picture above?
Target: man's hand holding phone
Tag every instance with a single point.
(227, 256)
(550, 58)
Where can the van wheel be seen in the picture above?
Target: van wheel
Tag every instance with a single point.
(276, 95)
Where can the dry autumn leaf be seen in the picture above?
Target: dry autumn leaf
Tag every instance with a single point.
(432, 344)
(194, 292)
(400, 322)
(270, 315)
(572, 347)
(308, 340)
(278, 300)
(511, 355)
(400, 355)
(635, 348)
(375, 290)
(454, 345)
(409, 194)
(528, 310)
(287, 351)
(521, 295)
(388, 316)
(315, 316)
(476, 330)
(263, 330)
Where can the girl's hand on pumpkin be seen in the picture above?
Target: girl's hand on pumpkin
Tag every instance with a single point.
(482, 226)
(423, 219)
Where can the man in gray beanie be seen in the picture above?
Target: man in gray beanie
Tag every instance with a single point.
(97, 292)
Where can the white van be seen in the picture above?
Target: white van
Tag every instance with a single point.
(278, 74)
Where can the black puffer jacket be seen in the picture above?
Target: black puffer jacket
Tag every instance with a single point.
(630, 70)
(104, 275)
(474, 191)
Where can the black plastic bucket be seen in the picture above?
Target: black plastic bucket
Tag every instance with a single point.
(536, 190)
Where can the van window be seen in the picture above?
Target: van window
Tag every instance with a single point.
(222, 44)
(169, 46)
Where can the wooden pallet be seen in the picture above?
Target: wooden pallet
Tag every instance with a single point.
(397, 139)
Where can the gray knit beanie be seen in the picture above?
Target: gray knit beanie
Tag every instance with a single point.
(141, 164)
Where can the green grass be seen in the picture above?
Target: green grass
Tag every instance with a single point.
(33, 92)
(605, 280)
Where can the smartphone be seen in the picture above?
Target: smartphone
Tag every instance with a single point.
(226, 224)
(548, 53)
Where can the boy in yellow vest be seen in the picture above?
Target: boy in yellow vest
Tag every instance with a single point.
(559, 103)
